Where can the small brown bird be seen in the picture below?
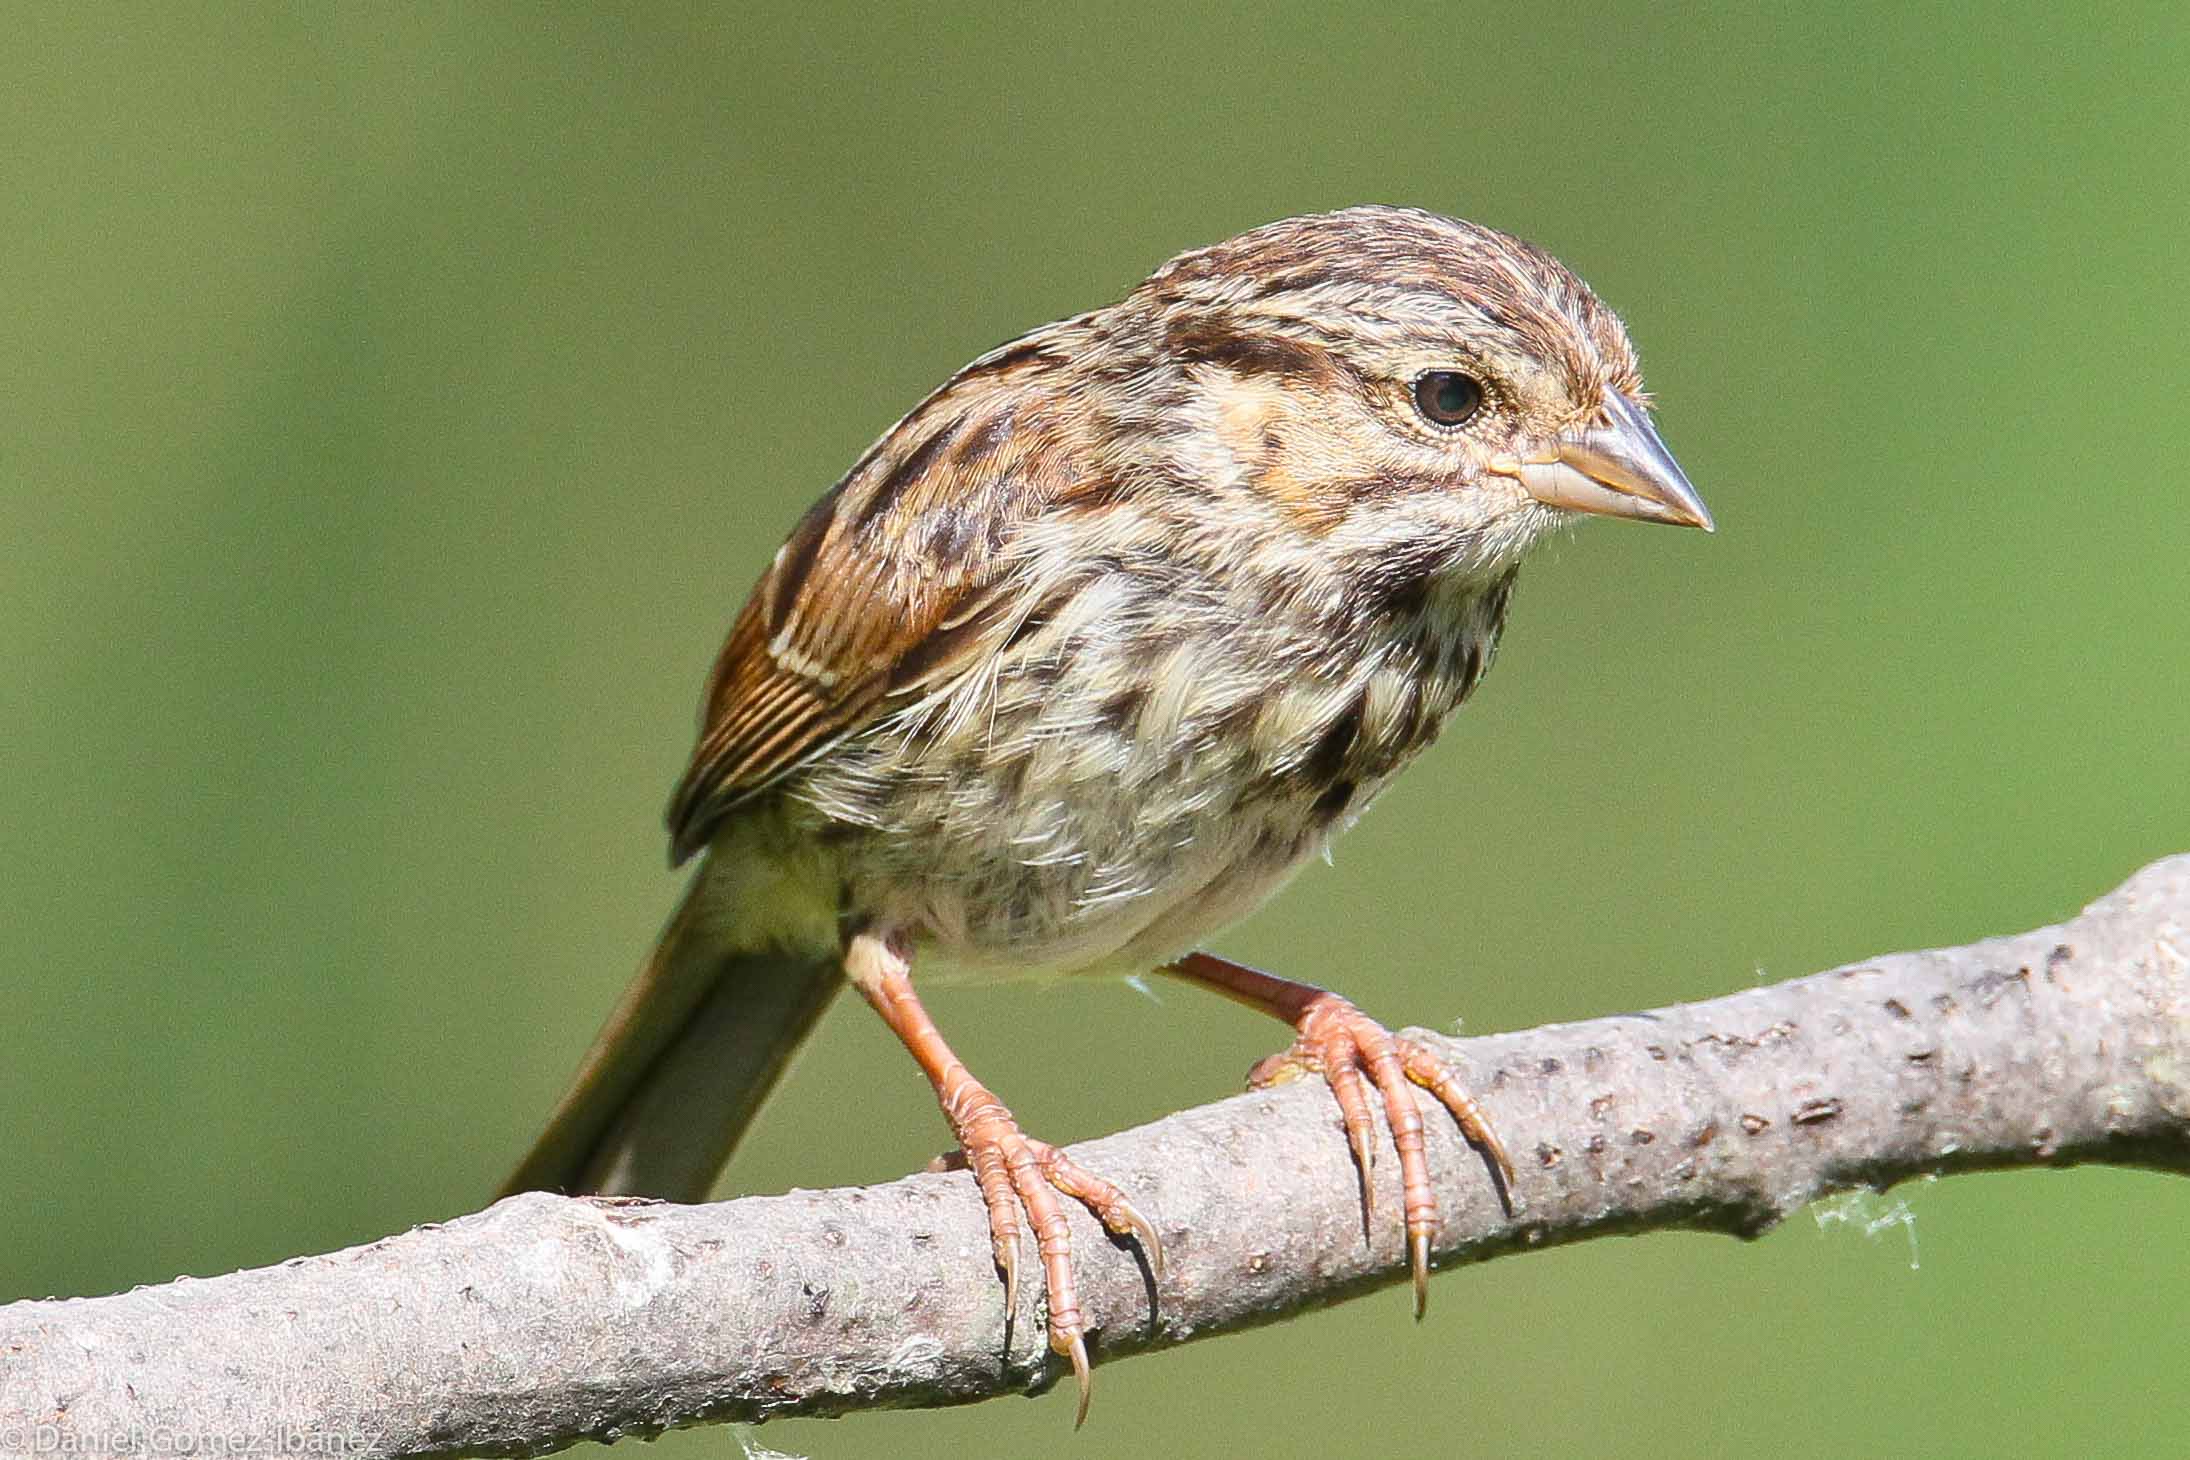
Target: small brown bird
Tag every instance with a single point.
(1087, 655)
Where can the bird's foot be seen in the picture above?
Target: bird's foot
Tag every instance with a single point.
(1020, 1175)
(1352, 1051)
(1017, 1174)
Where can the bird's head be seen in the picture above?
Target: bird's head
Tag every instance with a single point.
(1386, 380)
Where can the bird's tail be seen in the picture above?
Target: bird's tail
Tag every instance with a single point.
(681, 1066)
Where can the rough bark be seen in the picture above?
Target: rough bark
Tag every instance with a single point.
(544, 1320)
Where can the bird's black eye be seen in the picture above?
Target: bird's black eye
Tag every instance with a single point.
(1446, 397)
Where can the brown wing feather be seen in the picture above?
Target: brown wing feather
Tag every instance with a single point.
(888, 584)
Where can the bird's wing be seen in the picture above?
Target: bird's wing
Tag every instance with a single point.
(892, 582)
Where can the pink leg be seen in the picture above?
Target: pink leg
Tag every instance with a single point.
(1015, 1172)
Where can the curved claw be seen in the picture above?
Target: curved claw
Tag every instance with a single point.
(1027, 1175)
(1077, 1352)
(1333, 1036)
(1357, 1136)
(1429, 1072)
(1496, 1150)
(1118, 1215)
(1143, 1233)
(1354, 1052)
(1007, 1258)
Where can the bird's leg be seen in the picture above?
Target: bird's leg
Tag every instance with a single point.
(1016, 1173)
(1352, 1051)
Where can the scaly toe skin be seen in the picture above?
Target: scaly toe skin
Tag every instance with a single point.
(1018, 1174)
(1353, 1052)
(1118, 1215)
(1328, 1050)
(986, 1155)
(1434, 1075)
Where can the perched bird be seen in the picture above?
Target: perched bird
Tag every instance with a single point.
(1087, 655)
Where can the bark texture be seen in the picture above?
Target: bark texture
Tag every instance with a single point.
(544, 1320)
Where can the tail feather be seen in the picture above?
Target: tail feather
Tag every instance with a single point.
(681, 1067)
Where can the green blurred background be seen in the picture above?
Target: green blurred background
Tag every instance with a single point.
(399, 401)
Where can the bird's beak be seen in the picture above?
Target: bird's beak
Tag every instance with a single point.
(1617, 467)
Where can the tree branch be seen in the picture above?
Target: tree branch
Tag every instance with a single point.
(547, 1320)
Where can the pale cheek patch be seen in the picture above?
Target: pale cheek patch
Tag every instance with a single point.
(1241, 407)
